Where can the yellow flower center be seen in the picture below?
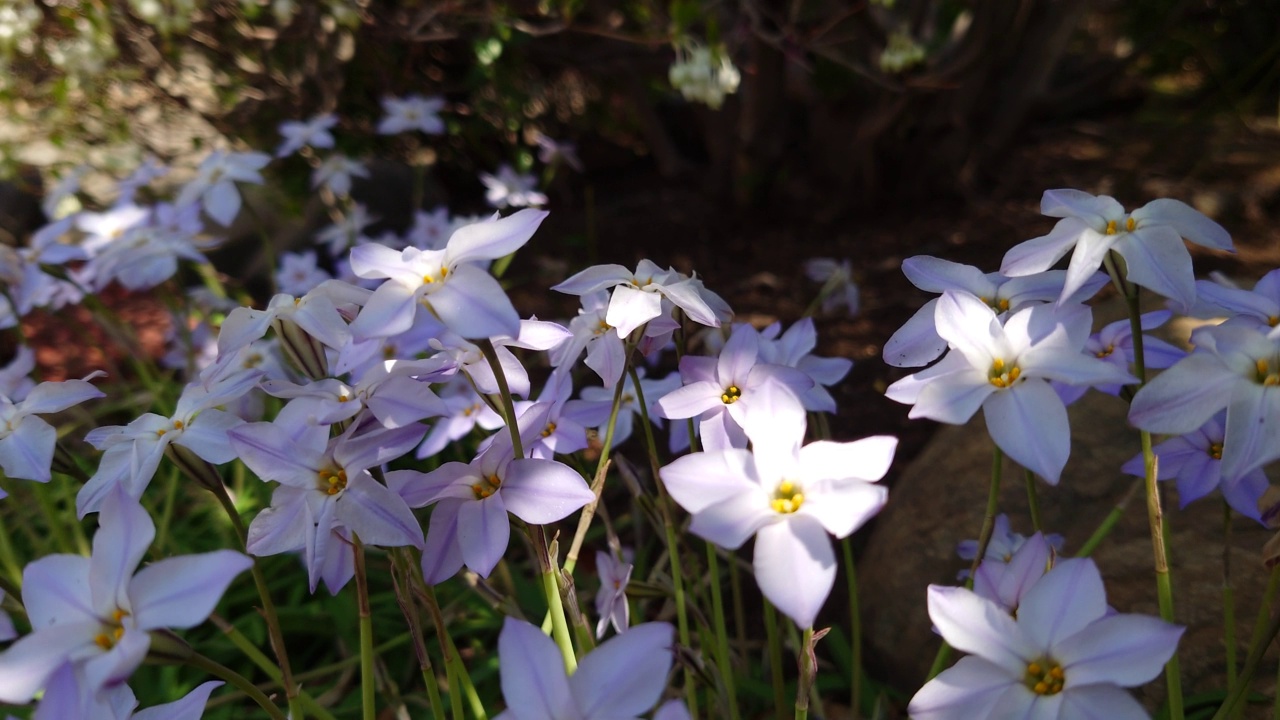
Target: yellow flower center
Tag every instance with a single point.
(1105, 352)
(1215, 451)
(1266, 374)
(487, 487)
(998, 304)
(730, 395)
(1044, 677)
(1113, 226)
(332, 481)
(111, 632)
(549, 430)
(787, 498)
(1002, 375)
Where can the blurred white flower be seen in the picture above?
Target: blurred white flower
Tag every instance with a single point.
(509, 188)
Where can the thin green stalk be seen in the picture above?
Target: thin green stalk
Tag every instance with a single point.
(739, 607)
(1258, 641)
(166, 510)
(1033, 501)
(1238, 690)
(264, 663)
(1155, 514)
(223, 672)
(473, 698)
(1109, 522)
(1228, 595)
(453, 666)
(402, 563)
(268, 607)
(806, 675)
(774, 641)
(722, 633)
(984, 538)
(368, 681)
(673, 547)
(8, 557)
(855, 631)
(53, 518)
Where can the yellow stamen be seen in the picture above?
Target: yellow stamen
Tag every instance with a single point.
(549, 430)
(1215, 451)
(177, 425)
(787, 498)
(1130, 225)
(1106, 351)
(427, 279)
(730, 395)
(1111, 227)
(1044, 681)
(331, 481)
(1001, 377)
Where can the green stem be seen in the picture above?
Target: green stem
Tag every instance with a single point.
(1228, 595)
(855, 631)
(984, 539)
(268, 607)
(806, 675)
(673, 547)
(53, 518)
(1155, 514)
(166, 510)
(1109, 522)
(368, 682)
(1265, 635)
(722, 633)
(559, 624)
(1033, 501)
(223, 672)
(8, 558)
(775, 661)
(264, 663)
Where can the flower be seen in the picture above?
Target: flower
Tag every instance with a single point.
(790, 497)
(1114, 344)
(838, 286)
(1236, 367)
(215, 183)
(1062, 656)
(325, 486)
(704, 74)
(622, 678)
(7, 632)
(313, 132)
(508, 188)
(611, 599)
(1005, 579)
(1194, 460)
(1005, 370)
(917, 343)
(449, 283)
(553, 152)
(1149, 239)
(298, 273)
(95, 612)
(336, 172)
(26, 441)
(1260, 306)
(469, 524)
(66, 697)
(412, 112)
(639, 297)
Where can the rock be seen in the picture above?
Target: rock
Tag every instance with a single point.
(940, 499)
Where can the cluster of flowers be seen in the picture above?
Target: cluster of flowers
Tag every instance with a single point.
(396, 364)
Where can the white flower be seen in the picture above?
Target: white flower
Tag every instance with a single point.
(412, 113)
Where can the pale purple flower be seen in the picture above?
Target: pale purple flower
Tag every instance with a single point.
(466, 410)
(1194, 460)
(917, 342)
(595, 403)
(611, 598)
(104, 228)
(605, 349)
(412, 112)
(131, 454)
(838, 287)
(533, 335)
(469, 524)
(643, 295)
(15, 378)
(430, 230)
(1005, 579)
(1236, 367)
(1062, 656)
(318, 314)
(509, 188)
(1004, 542)
(336, 173)
(96, 613)
(148, 253)
(1005, 370)
(313, 132)
(27, 441)
(553, 152)
(448, 283)
(1114, 344)
(1149, 239)
(729, 393)
(1259, 306)
(147, 172)
(298, 273)
(349, 232)
(789, 497)
(325, 486)
(622, 678)
(67, 696)
(396, 392)
(214, 185)
(794, 348)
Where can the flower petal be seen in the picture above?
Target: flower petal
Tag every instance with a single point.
(795, 567)
(483, 532)
(472, 304)
(543, 491)
(1065, 601)
(1125, 650)
(534, 682)
(180, 592)
(978, 626)
(625, 676)
(125, 531)
(1029, 423)
(969, 689)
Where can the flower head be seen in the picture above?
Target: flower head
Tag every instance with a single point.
(412, 112)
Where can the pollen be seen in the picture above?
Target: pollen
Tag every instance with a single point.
(331, 481)
(997, 304)
(787, 498)
(1045, 677)
(1111, 227)
(549, 430)
(1105, 352)
(1266, 375)
(487, 487)
(1215, 451)
(178, 425)
(731, 395)
(1130, 225)
(1002, 375)
(427, 279)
